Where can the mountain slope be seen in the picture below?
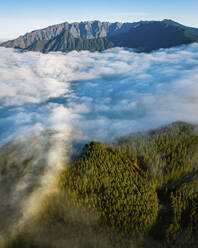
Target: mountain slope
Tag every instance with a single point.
(65, 42)
(84, 30)
(154, 35)
(144, 36)
(170, 22)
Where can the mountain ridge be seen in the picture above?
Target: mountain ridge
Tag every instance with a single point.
(144, 36)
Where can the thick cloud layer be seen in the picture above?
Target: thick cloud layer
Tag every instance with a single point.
(81, 95)
(98, 95)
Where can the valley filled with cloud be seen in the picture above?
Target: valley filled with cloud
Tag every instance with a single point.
(98, 95)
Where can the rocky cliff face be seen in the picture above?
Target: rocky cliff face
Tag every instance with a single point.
(66, 42)
(85, 30)
(144, 36)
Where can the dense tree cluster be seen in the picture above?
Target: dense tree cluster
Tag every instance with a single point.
(139, 191)
(109, 183)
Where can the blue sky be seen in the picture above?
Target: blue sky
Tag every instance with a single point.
(20, 16)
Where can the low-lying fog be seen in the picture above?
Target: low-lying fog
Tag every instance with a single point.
(98, 95)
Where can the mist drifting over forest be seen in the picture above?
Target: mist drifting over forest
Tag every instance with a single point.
(57, 98)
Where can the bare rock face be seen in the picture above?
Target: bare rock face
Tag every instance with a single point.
(85, 30)
(143, 36)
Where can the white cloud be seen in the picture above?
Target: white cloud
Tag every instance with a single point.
(102, 95)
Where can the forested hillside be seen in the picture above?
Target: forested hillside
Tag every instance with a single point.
(139, 191)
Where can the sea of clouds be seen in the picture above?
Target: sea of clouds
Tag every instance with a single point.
(98, 95)
(80, 95)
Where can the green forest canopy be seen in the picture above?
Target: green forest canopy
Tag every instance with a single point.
(139, 191)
